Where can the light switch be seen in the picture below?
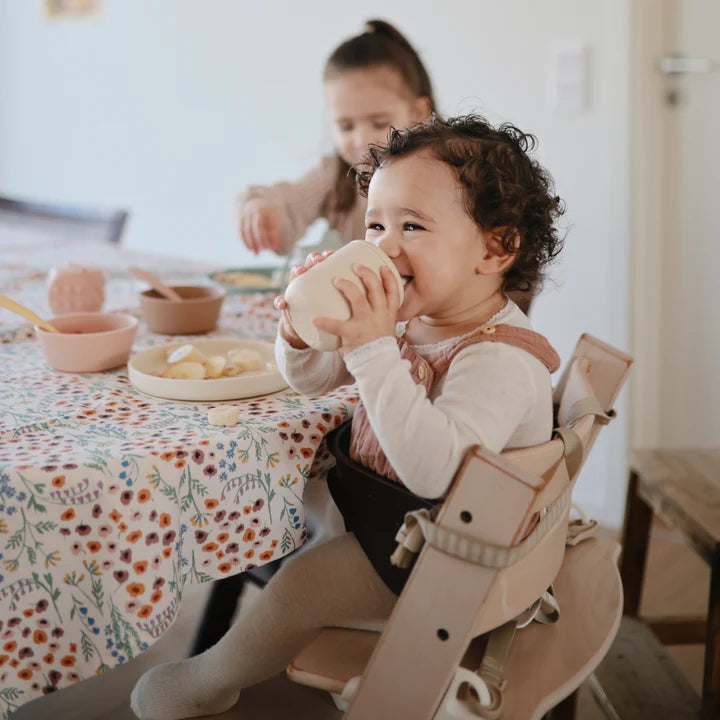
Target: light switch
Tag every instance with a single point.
(570, 79)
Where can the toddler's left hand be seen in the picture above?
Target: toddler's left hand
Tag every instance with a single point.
(373, 308)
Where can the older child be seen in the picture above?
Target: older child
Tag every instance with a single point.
(465, 215)
(373, 81)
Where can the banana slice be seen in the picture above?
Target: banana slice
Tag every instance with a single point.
(231, 370)
(223, 415)
(185, 371)
(214, 366)
(246, 359)
(186, 353)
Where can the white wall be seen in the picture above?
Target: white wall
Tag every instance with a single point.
(170, 106)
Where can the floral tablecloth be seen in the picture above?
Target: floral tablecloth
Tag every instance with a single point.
(111, 500)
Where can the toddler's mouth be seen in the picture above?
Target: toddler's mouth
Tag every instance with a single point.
(406, 279)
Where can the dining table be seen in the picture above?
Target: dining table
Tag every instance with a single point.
(112, 500)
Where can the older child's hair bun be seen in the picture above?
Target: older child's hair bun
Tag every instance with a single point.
(383, 44)
(505, 189)
(379, 45)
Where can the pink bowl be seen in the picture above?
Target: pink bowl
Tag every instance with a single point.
(88, 342)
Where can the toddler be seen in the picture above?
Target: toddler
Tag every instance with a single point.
(372, 82)
(466, 215)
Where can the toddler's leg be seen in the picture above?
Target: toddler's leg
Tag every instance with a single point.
(331, 584)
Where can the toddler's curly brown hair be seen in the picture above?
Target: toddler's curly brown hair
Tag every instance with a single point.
(506, 191)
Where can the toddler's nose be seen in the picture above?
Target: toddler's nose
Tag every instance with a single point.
(389, 244)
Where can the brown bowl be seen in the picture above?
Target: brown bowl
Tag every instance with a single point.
(88, 342)
(197, 313)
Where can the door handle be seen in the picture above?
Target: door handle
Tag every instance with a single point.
(680, 65)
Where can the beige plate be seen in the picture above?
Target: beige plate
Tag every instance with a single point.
(249, 384)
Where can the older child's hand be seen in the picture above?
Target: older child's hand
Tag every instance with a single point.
(285, 329)
(373, 308)
(260, 225)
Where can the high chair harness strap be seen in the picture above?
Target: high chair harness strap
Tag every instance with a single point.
(573, 451)
(589, 405)
(480, 693)
(419, 527)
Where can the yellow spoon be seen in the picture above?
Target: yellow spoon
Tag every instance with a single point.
(28, 314)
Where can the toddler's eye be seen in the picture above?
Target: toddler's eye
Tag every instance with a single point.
(374, 226)
(411, 227)
(380, 125)
(344, 126)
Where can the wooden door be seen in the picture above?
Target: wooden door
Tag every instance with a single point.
(676, 223)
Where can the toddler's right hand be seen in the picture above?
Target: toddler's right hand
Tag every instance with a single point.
(286, 330)
(260, 225)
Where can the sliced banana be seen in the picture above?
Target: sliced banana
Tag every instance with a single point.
(186, 353)
(246, 359)
(186, 371)
(231, 370)
(188, 363)
(214, 366)
(223, 415)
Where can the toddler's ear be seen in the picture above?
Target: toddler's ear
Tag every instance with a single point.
(496, 258)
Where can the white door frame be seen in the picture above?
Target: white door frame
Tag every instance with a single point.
(648, 130)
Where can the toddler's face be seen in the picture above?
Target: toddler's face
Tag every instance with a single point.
(416, 214)
(364, 104)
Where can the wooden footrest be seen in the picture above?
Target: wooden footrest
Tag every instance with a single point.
(334, 657)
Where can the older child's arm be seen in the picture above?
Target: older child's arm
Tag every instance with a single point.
(275, 217)
(487, 394)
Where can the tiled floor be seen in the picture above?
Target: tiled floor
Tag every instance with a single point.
(677, 583)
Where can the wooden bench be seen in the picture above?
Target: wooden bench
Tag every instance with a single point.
(682, 488)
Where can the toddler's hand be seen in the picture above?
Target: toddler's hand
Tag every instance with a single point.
(286, 330)
(373, 308)
(260, 225)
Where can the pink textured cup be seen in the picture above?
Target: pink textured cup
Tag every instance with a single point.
(88, 342)
(76, 288)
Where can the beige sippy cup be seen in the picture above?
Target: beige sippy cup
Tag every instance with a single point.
(312, 294)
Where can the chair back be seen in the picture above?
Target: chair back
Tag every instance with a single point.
(64, 220)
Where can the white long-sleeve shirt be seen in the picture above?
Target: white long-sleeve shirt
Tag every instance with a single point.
(492, 394)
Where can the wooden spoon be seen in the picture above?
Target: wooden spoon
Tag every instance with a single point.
(28, 314)
(156, 283)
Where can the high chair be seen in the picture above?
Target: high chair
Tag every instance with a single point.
(460, 642)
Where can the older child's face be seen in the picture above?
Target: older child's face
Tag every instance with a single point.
(416, 214)
(364, 104)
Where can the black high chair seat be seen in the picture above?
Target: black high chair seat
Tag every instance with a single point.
(372, 506)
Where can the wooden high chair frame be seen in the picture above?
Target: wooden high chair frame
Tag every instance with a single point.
(494, 503)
